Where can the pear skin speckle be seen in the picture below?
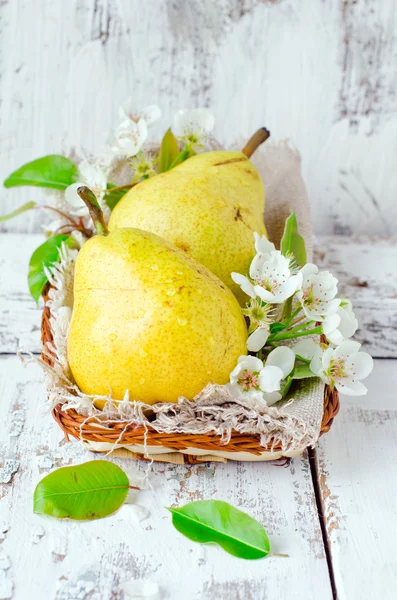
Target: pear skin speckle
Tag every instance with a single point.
(208, 206)
(127, 333)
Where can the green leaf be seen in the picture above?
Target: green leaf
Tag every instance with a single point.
(92, 490)
(217, 521)
(292, 242)
(18, 211)
(286, 385)
(112, 198)
(53, 171)
(168, 151)
(182, 156)
(277, 327)
(302, 372)
(44, 256)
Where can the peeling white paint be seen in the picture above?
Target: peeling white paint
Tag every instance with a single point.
(322, 75)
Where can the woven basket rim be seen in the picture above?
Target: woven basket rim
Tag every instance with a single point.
(89, 430)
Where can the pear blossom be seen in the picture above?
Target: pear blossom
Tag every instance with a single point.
(341, 325)
(150, 114)
(343, 367)
(259, 315)
(194, 127)
(253, 379)
(318, 291)
(93, 176)
(143, 165)
(130, 137)
(270, 276)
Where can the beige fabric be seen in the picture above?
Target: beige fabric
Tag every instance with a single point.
(280, 167)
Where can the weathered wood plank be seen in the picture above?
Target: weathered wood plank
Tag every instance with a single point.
(323, 76)
(365, 268)
(19, 316)
(358, 482)
(67, 560)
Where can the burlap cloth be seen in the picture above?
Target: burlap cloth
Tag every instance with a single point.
(294, 423)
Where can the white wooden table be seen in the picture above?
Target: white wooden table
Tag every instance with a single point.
(322, 74)
(333, 514)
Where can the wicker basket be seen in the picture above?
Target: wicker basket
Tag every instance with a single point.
(203, 447)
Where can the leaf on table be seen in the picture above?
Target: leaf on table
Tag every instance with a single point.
(43, 257)
(168, 151)
(18, 211)
(53, 171)
(292, 242)
(89, 491)
(217, 521)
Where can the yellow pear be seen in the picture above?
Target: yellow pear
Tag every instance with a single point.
(149, 319)
(208, 206)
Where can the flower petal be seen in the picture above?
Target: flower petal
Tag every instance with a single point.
(264, 294)
(309, 269)
(306, 348)
(250, 363)
(363, 364)
(257, 339)
(270, 378)
(150, 114)
(256, 265)
(197, 120)
(282, 357)
(354, 388)
(245, 284)
(72, 197)
(272, 397)
(348, 348)
(335, 337)
(330, 323)
(262, 244)
(316, 364)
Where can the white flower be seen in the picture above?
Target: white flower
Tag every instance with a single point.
(262, 382)
(260, 319)
(318, 292)
(193, 127)
(150, 114)
(341, 325)
(270, 275)
(344, 367)
(130, 137)
(93, 176)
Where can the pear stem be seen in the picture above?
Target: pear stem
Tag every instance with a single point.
(95, 210)
(255, 141)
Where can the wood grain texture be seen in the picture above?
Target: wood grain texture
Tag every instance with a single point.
(364, 266)
(45, 558)
(322, 74)
(358, 482)
(366, 269)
